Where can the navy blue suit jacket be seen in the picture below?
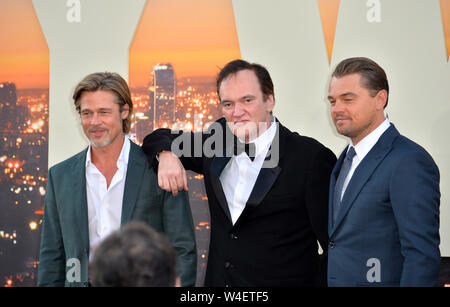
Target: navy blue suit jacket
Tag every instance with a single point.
(387, 229)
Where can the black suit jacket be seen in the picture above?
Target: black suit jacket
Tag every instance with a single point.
(274, 241)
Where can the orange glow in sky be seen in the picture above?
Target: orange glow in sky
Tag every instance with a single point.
(24, 56)
(329, 10)
(196, 37)
(445, 9)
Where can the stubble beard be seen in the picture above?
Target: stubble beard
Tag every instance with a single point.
(102, 144)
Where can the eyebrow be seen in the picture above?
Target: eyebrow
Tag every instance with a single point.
(242, 98)
(101, 109)
(344, 95)
(248, 96)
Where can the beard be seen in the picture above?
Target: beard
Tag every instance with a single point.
(104, 143)
(100, 144)
(247, 132)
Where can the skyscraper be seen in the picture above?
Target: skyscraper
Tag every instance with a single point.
(11, 115)
(164, 96)
(8, 93)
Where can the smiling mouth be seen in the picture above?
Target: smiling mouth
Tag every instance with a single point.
(340, 120)
(97, 132)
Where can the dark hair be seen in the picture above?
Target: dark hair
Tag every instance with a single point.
(107, 81)
(233, 67)
(373, 77)
(134, 256)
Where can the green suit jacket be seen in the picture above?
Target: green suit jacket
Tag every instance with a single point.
(64, 252)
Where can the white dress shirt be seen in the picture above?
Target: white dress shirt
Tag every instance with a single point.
(105, 203)
(363, 148)
(239, 175)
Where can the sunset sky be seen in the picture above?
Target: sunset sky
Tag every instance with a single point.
(445, 9)
(195, 36)
(24, 57)
(329, 10)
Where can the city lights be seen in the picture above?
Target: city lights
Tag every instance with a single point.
(33, 225)
(188, 104)
(42, 191)
(23, 139)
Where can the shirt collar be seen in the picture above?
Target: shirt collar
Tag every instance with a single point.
(263, 142)
(123, 157)
(366, 144)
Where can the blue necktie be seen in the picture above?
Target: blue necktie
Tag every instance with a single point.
(346, 166)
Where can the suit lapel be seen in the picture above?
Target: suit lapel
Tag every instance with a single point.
(216, 168)
(364, 171)
(263, 184)
(135, 171)
(267, 176)
(80, 198)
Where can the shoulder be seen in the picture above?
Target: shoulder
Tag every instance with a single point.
(405, 154)
(138, 165)
(66, 165)
(136, 150)
(405, 147)
(295, 142)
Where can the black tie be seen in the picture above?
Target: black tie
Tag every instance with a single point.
(346, 166)
(248, 148)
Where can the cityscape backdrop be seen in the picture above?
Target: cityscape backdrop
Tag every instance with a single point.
(24, 77)
(177, 50)
(173, 66)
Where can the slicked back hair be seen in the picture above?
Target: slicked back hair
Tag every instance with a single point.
(373, 77)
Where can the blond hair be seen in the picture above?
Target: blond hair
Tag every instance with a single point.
(107, 81)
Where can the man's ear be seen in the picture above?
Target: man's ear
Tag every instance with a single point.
(270, 101)
(381, 99)
(125, 111)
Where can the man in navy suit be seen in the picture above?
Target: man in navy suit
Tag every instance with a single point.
(384, 190)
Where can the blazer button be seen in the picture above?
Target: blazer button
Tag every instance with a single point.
(227, 265)
(233, 236)
(331, 244)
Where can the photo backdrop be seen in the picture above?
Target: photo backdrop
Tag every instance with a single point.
(176, 53)
(183, 44)
(24, 74)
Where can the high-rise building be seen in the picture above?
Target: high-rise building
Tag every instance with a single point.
(8, 93)
(23, 164)
(11, 114)
(163, 91)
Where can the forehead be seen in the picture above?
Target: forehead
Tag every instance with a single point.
(242, 83)
(98, 100)
(348, 83)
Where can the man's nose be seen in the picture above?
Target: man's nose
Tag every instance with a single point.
(337, 107)
(238, 110)
(95, 119)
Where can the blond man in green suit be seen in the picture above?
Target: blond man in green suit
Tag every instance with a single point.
(104, 187)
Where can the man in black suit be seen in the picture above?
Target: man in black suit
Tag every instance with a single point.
(267, 188)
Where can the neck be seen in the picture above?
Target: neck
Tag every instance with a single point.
(369, 130)
(262, 127)
(107, 154)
